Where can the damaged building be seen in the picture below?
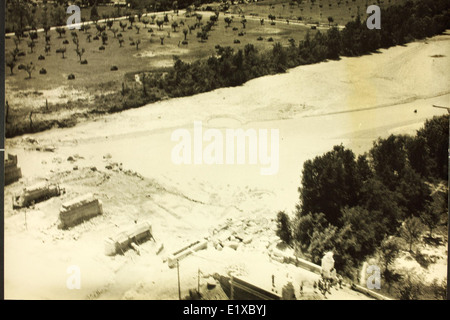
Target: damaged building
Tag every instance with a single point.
(36, 193)
(78, 210)
(12, 172)
(130, 238)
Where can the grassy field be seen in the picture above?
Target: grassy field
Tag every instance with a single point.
(150, 55)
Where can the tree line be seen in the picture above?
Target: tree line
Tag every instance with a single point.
(355, 206)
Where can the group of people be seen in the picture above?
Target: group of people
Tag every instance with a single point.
(326, 283)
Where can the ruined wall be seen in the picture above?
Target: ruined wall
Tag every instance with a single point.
(79, 209)
(12, 172)
(35, 193)
(123, 240)
(181, 254)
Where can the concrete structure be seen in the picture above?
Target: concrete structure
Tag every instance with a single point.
(282, 257)
(184, 252)
(328, 265)
(79, 209)
(36, 193)
(12, 172)
(124, 240)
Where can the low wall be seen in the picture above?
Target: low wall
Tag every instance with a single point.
(298, 262)
(369, 293)
(79, 209)
(123, 240)
(305, 264)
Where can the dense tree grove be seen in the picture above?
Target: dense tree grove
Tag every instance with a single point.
(24, 14)
(352, 204)
(228, 67)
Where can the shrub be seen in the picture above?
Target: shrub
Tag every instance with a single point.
(101, 48)
(237, 41)
(272, 23)
(41, 57)
(235, 29)
(132, 44)
(130, 28)
(270, 39)
(42, 71)
(21, 54)
(71, 77)
(313, 27)
(66, 42)
(150, 30)
(240, 34)
(96, 38)
(114, 68)
(84, 61)
(284, 227)
(260, 38)
(184, 42)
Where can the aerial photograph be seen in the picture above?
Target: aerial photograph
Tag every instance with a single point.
(226, 150)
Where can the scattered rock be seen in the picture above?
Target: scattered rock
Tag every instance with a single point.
(49, 149)
(70, 158)
(75, 168)
(31, 140)
(247, 239)
(232, 244)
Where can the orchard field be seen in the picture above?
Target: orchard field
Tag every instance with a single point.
(59, 78)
